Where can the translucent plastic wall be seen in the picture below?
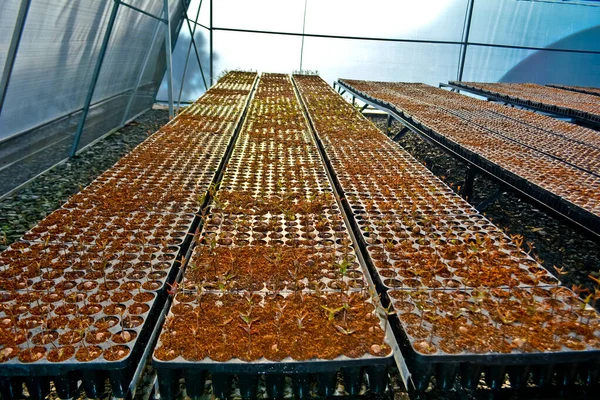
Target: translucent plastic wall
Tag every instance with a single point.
(509, 40)
(53, 70)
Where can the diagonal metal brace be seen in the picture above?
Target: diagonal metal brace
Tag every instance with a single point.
(163, 20)
(481, 207)
(400, 134)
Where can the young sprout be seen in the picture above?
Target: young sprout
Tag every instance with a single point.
(332, 312)
(248, 320)
(300, 319)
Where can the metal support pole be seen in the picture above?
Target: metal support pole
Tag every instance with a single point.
(193, 41)
(211, 44)
(90, 95)
(13, 48)
(463, 53)
(389, 122)
(467, 189)
(169, 58)
(141, 74)
(187, 59)
(303, 29)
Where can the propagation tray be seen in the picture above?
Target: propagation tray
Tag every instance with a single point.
(579, 106)
(581, 210)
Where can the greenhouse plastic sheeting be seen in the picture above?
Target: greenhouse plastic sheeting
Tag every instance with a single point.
(52, 74)
(538, 24)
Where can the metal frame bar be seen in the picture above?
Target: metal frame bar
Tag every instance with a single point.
(187, 58)
(380, 39)
(193, 41)
(463, 52)
(169, 56)
(92, 88)
(141, 74)
(141, 11)
(200, 25)
(13, 48)
(212, 29)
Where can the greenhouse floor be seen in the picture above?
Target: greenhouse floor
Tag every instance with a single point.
(552, 241)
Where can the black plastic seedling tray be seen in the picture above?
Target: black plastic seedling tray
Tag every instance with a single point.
(557, 110)
(304, 374)
(559, 204)
(93, 374)
(560, 366)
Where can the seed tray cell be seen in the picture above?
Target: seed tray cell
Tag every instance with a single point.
(115, 341)
(542, 329)
(90, 227)
(41, 266)
(278, 268)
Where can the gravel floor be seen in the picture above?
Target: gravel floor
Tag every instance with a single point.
(23, 209)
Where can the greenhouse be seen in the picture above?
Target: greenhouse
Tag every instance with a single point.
(299, 199)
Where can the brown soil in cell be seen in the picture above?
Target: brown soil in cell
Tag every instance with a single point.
(88, 353)
(114, 309)
(91, 309)
(32, 355)
(66, 309)
(97, 336)
(132, 321)
(138, 308)
(8, 352)
(61, 354)
(106, 323)
(81, 322)
(152, 285)
(108, 286)
(30, 322)
(71, 337)
(87, 286)
(144, 297)
(52, 297)
(43, 338)
(131, 285)
(121, 297)
(123, 337)
(57, 322)
(116, 352)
